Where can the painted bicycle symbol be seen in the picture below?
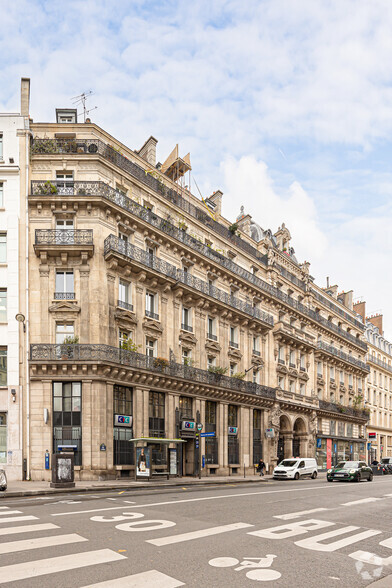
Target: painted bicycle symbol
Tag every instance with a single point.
(259, 565)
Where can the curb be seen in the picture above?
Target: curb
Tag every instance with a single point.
(202, 483)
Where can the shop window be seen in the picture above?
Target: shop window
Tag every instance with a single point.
(123, 449)
(232, 415)
(332, 427)
(67, 417)
(3, 437)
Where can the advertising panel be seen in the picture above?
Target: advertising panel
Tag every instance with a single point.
(329, 453)
(143, 462)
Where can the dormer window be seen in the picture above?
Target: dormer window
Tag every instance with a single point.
(66, 115)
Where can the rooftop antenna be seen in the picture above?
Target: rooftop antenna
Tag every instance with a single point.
(81, 100)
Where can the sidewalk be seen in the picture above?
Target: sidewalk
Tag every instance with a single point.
(17, 489)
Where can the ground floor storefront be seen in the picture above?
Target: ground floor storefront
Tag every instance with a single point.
(96, 415)
(329, 451)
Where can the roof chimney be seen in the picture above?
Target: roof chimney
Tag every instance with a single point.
(377, 322)
(25, 96)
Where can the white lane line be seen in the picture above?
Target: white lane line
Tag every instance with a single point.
(4, 507)
(27, 528)
(362, 501)
(38, 542)
(150, 579)
(9, 512)
(112, 499)
(16, 519)
(52, 565)
(198, 534)
(77, 512)
(129, 501)
(296, 515)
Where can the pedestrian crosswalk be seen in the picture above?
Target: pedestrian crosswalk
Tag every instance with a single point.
(53, 563)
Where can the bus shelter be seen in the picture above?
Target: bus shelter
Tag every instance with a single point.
(144, 467)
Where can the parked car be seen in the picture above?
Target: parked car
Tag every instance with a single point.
(350, 471)
(3, 481)
(295, 468)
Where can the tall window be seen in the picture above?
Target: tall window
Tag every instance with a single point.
(319, 368)
(186, 319)
(3, 437)
(233, 337)
(211, 361)
(233, 443)
(187, 357)
(64, 330)
(1, 146)
(302, 361)
(3, 305)
(210, 427)
(211, 334)
(157, 414)
(257, 436)
(1, 194)
(332, 374)
(151, 347)
(64, 285)
(292, 358)
(152, 306)
(186, 411)
(256, 346)
(124, 295)
(67, 416)
(123, 451)
(233, 369)
(123, 337)
(3, 366)
(64, 182)
(281, 354)
(3, 247)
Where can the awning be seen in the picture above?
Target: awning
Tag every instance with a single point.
(161, 440)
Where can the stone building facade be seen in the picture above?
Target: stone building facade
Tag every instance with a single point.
(221, 324)
(14, 161)
(378, 390)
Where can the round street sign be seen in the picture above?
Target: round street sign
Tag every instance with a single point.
(199, 427)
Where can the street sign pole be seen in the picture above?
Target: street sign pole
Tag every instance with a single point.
(199, 430)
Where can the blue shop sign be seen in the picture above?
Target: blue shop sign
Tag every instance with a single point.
(318, 443)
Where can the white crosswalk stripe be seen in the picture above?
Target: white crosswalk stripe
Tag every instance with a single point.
(52, 565)
(39, 542)
(9, 512)
(17, 519)
(27, 528)
(150, 579)
(198, 534)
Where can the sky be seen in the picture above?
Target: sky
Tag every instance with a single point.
(284, 105)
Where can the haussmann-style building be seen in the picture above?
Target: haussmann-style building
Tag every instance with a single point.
(150, 313)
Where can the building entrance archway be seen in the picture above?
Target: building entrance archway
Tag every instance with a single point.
(285, 435)
(300, 436)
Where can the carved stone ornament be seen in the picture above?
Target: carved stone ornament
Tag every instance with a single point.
(186, 337)
(234, 354)
(281, 369)
(152, 326)
(275, 415)
(213, 346)
(69, 309)
(313, 425)
(125, 317)
(303, 376)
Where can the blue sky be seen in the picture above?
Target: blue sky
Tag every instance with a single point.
(285, 105)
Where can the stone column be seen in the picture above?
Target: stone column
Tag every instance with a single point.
(220, 435)
(41, 435)
(44, 296)
(87, 331)
(288, 444)
(87, 426)
(224, 437)
(109, 426)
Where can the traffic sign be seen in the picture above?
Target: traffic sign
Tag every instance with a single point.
(199, 427)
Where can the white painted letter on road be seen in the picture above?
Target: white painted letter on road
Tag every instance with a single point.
(291, 529)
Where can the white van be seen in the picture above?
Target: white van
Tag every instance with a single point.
(294, 468)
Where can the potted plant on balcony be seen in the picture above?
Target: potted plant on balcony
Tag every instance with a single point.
(160, 363)
(233, 228)
(67, 348)
(47, 188)
(239, 375)
(217, 371)
(182, 225)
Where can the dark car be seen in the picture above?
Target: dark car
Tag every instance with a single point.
(3, 481)
(350, 471)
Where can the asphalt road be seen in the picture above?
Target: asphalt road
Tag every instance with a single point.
(284, 533)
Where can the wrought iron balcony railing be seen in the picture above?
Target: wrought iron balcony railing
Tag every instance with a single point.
(339, 409)
(125, 305)
(343, 356)
(152, 315)
(186, 327)
(380, 363)
(212, 337)
(64, 295)
(107, 353)
(102, 189)
(233, 344)
(113, 243)
(64, 237)
(256, 352)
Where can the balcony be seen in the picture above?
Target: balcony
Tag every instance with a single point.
(256, 352)
(285, 333)
(108, 354)
(116, 245)
(109, 193)
(212, 337)
(380, 363)
(125, 305)
(339, 409)
(64, 296)
(330, 350)
(73, 241)
(186, 327)
(233, 344)
(152, 315)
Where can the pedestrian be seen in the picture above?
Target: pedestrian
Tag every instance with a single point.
(261, 467)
